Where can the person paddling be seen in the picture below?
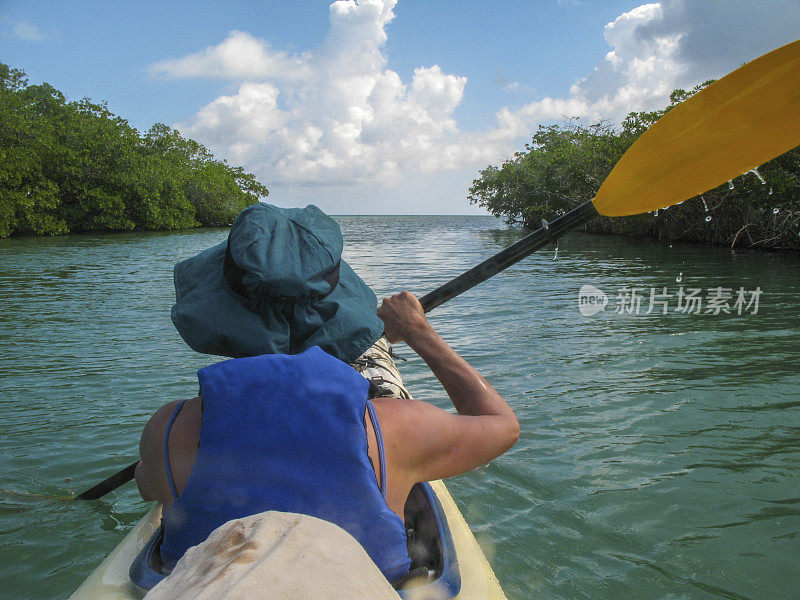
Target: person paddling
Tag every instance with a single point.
(288, 425)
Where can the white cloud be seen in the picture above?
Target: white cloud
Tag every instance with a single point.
(28, 32)
(239, 57)
(637, 73)
(334, 115)
(337, 115)
(658, 47)
(515, 87)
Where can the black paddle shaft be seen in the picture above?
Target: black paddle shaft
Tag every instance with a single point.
(110, 484)
(514, 253)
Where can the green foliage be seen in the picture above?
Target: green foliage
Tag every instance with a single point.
(564, 165)
(75, 166)
(560, 164)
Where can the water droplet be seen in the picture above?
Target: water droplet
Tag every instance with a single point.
(679, 278)
(655, 213)
(776, 210)
(730, 184)
(770, 191)
(757, 174)
(708, 218)
(704, 203)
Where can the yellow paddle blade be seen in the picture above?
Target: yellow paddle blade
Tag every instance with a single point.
(745, 119)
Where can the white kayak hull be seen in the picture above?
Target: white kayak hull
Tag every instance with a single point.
(110, 580)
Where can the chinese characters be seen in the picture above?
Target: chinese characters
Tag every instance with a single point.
(687, 300)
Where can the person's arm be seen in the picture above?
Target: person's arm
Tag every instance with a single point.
(434, 443)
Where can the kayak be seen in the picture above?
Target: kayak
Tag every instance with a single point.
(443, 550)
(440, 540)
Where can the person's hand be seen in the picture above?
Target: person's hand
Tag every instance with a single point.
(403, 317)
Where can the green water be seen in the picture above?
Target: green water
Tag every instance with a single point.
(659, 453)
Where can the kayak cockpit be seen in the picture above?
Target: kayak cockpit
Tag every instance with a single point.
(430, 545)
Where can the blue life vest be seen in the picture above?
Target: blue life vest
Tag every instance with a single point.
(285, 432)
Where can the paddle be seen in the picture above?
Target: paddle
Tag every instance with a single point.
(110, 484)
(732, 126)
(739, 122)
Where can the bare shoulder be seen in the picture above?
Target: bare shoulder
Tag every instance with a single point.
(150, 473)
(157, 424)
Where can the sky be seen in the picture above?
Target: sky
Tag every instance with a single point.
(381, 106)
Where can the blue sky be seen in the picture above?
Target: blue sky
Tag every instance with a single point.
(380, 106)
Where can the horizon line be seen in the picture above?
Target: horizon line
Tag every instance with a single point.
(407, 215)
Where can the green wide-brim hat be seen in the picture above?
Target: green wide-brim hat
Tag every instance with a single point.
(278, 285)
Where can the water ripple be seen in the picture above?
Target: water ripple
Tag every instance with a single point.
(658, 454)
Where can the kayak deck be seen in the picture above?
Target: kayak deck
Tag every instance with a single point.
(441, 541)
(110, 580)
